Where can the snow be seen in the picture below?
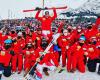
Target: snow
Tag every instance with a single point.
(73, 76)
(90, 5)
(61, 76)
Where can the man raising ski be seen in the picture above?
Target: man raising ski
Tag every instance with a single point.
(46, 21)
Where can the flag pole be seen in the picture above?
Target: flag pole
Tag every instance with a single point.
(43, 3)
(43, 6)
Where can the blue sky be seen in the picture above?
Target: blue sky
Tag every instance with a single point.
(14, 7)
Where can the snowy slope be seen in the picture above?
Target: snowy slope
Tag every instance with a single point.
(90, 7)
(62, 76)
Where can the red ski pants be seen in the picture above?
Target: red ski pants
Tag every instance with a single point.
(17, 60)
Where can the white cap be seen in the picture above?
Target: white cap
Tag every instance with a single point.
(65, 30)
(19, 34)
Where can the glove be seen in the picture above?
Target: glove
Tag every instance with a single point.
(12, 53)
(37, 8)
(46, 8)
(41, 57)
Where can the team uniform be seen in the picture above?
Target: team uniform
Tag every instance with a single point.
(18, 57)
(46, 22)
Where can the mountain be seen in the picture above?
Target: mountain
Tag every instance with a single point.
(91, 7)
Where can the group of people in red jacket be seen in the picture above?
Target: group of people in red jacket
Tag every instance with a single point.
(75, 48)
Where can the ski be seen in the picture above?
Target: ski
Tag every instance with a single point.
(32, 70)
(36, 9)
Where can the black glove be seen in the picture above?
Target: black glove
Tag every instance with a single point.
(41, 57)
(12, 53)
(37, 8)
(45, 8)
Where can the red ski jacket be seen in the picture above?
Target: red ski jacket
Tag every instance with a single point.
(46, 22)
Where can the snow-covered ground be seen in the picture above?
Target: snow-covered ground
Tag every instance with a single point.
(73, 76)
(61, 76)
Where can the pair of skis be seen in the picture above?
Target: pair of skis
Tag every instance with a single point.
(32, 70)
(36, 9)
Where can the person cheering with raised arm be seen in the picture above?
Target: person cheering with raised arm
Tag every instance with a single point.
(46, 21)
